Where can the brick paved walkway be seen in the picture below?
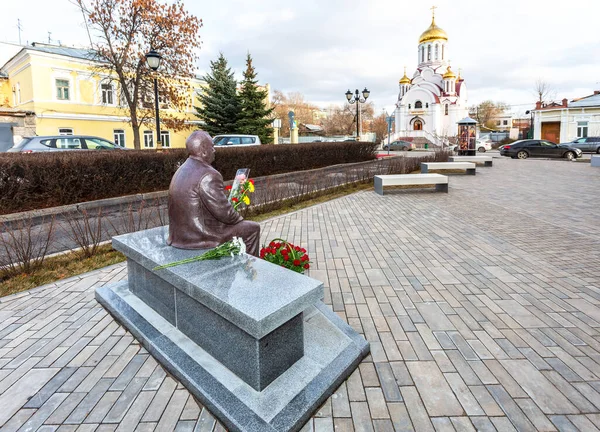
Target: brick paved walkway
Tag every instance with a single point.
(482, 307)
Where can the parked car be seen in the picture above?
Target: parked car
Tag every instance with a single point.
(587, 144)
(400, 145)
(539, 148)
(63, 143)
(483, 145)
(236, 140)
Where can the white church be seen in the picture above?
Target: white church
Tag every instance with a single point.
(434, 99)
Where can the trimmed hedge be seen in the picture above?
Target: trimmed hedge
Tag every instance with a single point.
(36, 181)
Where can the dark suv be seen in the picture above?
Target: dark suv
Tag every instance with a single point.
(587, 144)
(63, 143)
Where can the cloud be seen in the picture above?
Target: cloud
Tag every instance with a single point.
(321, 48)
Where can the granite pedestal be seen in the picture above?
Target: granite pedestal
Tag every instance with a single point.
(595, 160)
(251, 340)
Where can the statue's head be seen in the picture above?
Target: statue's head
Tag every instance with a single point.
(200, 146)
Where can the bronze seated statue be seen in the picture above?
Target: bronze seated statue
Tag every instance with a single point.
(201, 216)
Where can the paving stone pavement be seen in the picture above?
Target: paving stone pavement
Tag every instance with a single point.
(482, 307)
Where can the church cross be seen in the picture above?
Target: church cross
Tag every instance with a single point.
(433, 8)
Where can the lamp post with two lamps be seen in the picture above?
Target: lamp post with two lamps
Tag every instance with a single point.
(153, 60)
(356, 100)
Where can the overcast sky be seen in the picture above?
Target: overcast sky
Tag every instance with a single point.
(321, 48)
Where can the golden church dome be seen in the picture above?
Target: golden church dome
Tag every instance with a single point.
(449, 74)
(405, 79)
(433, 33)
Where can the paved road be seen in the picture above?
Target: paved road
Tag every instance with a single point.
(482, 307)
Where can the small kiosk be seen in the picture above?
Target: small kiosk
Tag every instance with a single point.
(467, 134)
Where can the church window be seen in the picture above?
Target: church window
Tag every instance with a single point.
(408, 106)
(437, 48)
(422, 54)
(428, 52)
(443, 46)
(446, 110)
(426, 104)
(418, 104)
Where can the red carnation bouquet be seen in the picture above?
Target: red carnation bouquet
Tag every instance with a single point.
(286, 255)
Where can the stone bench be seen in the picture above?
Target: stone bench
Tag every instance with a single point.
(469, 167)
(440, 181)
(487, 160)
(249, 339)
(595, 161)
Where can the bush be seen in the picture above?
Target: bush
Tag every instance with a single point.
(35, 181)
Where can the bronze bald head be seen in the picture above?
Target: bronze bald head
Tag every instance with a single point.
(200, 146)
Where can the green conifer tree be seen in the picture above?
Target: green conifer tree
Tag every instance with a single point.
(256, 116)
(220, 104)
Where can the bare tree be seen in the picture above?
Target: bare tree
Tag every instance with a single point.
(125, 31)
(543, 90)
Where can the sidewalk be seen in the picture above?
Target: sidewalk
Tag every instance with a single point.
(482, 308)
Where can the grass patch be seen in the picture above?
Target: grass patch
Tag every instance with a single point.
(59, 267)
(70, 264)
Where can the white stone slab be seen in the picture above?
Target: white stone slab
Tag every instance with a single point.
(449, 165)
(412, 179)
(470, 159)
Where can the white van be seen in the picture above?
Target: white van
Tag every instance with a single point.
(236, 140)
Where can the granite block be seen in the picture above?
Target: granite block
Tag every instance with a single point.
(256, 361)
(253, 294)
(155, 292)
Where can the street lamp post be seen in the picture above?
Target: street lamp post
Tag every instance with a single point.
(530, 123)
(153, 59)
(357, 100)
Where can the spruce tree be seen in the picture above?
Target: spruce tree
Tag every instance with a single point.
(255, 118)
(220, 104)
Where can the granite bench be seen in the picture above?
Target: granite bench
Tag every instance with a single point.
(486, 160)
(251, 340)
(440, 181)
(469, 167)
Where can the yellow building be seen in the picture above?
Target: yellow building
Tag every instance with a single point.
(67, 94)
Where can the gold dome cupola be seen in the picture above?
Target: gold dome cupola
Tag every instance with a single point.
(433, 32)
(405, 79)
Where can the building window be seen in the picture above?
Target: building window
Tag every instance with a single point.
(65, 131)
(119, 137)
(107, 94)
(497, 122)
(428, 52)
(437, 50)
(443, 46)
(426, 104)
(418, 104)
(504, 122)
(148, 139)
(446, 109)
(582, 129)
(165, 138)
(62, 89)
(408, 106)
(422, 54)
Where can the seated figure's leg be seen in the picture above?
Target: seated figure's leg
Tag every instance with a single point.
(250, 232)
